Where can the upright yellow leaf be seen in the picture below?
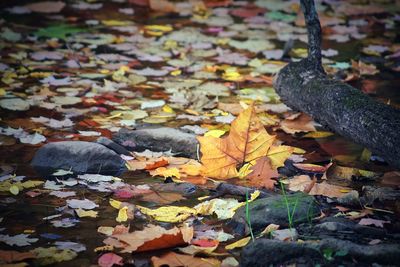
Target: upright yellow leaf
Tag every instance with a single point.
(247, 141)
(122, 215)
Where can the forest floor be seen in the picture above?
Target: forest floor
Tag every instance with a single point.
(233, 177)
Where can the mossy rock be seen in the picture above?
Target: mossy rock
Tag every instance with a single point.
(276, 210)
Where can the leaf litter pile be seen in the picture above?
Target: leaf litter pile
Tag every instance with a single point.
(77, 71)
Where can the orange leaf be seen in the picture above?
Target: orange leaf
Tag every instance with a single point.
(172, 259)
(154, 165)
(247, 141)
(152, 237)
(261, 174)
(13, 256)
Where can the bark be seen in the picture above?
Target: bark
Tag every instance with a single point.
(304, 86)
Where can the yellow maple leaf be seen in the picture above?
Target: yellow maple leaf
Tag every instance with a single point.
(169, 213)
(278, 154)
(247, 140)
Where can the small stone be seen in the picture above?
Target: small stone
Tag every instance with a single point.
(229, 262)
(285, 234)
(79, 157)
(158, 140)
(333, 226)
(351, 198)
(113, 146)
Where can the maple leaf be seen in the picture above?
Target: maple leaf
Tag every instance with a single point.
(247, 140)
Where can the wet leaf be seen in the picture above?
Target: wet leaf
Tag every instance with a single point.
(238, 244)
(109, 259)
(169, 213)
(374, 222)
(15, 256)
(175, 260)
(247, 141)
(153, 237)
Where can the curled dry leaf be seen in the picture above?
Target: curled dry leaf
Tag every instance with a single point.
(303, 182)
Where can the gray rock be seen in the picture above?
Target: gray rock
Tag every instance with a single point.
(351, 198)
(274, 209)
(333, 227)
(381, 194)
(264, 252)
(285, 235)
(79, 157)
(158, 139)
(113, 146)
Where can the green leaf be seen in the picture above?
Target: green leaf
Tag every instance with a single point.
(60, 31)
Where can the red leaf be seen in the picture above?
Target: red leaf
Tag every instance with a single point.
(109, 259)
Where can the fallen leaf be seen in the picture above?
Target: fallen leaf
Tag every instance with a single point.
(173, 259)
(169, 213)
(302, 183)
(238, 244)
(86, 213)
(369, 221)
(247, 141)
(14, 256)
(122, 215)
(301, 123)
(261, 174)
(109, 259)
(160, 163)
(166, 172)
(20, 240)
(85, 204)
(46, 6)
(153, 237)
(51, 255)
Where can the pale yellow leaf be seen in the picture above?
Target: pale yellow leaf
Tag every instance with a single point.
(238, 244)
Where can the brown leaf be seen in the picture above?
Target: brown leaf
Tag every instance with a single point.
(302, 183)
(261, 174)
(14, 256)
(302, 123)
(173, 259)
(162, 197)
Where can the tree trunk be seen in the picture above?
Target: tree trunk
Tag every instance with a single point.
(304, 86)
